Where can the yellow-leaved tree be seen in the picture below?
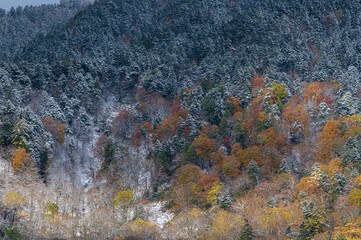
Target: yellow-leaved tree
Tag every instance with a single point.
(123, 198)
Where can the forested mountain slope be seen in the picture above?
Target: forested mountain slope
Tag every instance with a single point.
(209, 119)
(20, 25)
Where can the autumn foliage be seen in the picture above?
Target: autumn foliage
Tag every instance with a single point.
(294, 111)
(257, 84)
(21, 159)
(328, 140)
(204, 146)
(167, 129)
(56, 128)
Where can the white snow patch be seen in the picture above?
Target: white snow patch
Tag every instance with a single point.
(157, 215)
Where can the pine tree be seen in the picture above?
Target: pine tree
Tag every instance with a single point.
(290, 233)
(247, 232)
(191, 155)
(225, 202)
(20, 134)
(324, 113)
(253, 172)
(224, 122)
(314, 221)
(325, 182)
(352, 150)
(238, 133)
(338, 182)
(5, 131)
(345, 104)
(9, 109)
(284, 168)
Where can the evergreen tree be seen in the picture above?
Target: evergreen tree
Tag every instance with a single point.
(209, 110)
(5, 131)
(325, 182)
(352, 150)
(314, 221)
(191, 156)
(238, 133)
(20, 134)
(10, 108)
(224, 122)
(12, 233)
(253, 172)
(247, 232)
(338, 183)
(324, 113)
(290, 233)
(284, 168)
(345, 104)
(225, 202)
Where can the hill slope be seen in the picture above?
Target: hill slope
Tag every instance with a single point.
(184, 119)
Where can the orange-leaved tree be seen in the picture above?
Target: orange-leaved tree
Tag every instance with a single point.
(245, 156)
(236, 103)
(328, 140)
(294, 111)
(308, 185)
(172, 122)
(313, 93)
(204, 146)
(21, 159)
(257, 84)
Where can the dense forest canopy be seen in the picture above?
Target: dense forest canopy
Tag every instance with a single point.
(180, 119)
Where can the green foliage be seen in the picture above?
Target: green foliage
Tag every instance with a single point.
(191, 155)
(247, 232)
(225, 202)
(5, 131)
(206, 86)
(238, 133)
(43, 163)
(253, 172)
(263, 124)
(252, 71)
(315, 221)
(20, 134)
(222, 90)
(163, 153)
(280, 104)
(223, 125)
(229, 107)
(209, 110)
(280, 91)
(12, 233)
(352, 150)
(147, 43)
(109, 153)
